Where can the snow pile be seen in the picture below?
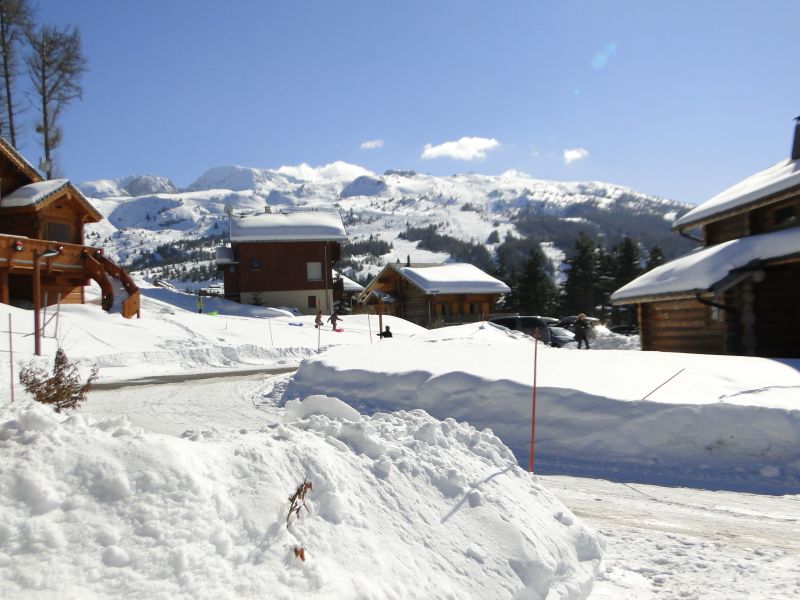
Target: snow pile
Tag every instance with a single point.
(718, 420)
(144, 515)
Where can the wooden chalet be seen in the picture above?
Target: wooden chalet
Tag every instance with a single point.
(43, 259)
(433, 295)
(283, 259)
(740, 293)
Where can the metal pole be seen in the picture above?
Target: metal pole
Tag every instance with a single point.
(37, 304)
(44, 317)
(380, 315)
(271, 341)
(58, 314)
(533, 406)
(11, 357)
(666, 382)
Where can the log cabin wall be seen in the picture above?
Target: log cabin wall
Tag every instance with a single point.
(724, 230)
(776, 311)
(21, 223)
(785, 213)
(682, 326)
(61, 221)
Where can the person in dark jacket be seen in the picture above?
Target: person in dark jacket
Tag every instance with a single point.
(386, 333)
(334, 318)
(582, 327)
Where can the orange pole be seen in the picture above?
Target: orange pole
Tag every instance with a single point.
(533, 406)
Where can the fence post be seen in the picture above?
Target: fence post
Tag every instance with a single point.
(11, 356)
(533, 404)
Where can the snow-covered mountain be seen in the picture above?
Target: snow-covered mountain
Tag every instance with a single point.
(145, 212)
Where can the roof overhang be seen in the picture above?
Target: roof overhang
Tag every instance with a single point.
(744, 208)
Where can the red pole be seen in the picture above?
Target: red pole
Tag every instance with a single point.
(533, 406)
(11, 357)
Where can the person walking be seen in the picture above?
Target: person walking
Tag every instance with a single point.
(318, 320)
(199, 303)
(582, 327)
(334, 318)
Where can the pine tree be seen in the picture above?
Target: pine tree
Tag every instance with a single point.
(581, 277)
(655, 258)
(535, 292)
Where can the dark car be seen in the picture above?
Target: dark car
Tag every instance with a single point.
(528, 325)
(560, 337)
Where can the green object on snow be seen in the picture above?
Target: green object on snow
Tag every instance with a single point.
(213, 313)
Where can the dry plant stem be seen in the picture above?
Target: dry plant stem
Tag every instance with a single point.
(298, 500)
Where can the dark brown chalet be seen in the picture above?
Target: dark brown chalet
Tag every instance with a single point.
(432, 295)
(740, 293)
(283, 259)
(42, 255)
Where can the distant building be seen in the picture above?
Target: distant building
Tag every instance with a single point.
(740, 293)
(345, 291)
(283, 259)
(42, 240)
(433, 295)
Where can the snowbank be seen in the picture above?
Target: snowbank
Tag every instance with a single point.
(721, 421)
(102, 509)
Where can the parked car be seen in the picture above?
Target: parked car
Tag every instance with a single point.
(528, 325)
(560, 337)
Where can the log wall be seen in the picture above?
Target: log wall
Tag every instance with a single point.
(681, 326)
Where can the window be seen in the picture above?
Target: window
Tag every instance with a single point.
(312, 302)
(314, 271)
(255, 264)
(784, 216)
(58, 232)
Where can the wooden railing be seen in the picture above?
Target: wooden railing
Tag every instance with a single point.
(131, 305)
(19, 253)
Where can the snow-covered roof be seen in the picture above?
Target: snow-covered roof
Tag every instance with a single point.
(318, 225)
(33, 193)
(778, 178)
(454, 278)
(701, 270)
(349, 284)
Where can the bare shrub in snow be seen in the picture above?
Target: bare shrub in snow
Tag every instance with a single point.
(298, 500)
(63, 389)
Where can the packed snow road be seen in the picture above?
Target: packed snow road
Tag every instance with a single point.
(686, 543)
(661, 542)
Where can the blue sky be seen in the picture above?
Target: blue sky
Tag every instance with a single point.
(680, 99)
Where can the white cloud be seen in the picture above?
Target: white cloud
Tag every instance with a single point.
(573, 154)
(371, 144)
(467, 148)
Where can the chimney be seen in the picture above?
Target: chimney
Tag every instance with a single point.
(796, 145)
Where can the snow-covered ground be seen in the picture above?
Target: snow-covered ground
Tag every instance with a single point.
(181, 489)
